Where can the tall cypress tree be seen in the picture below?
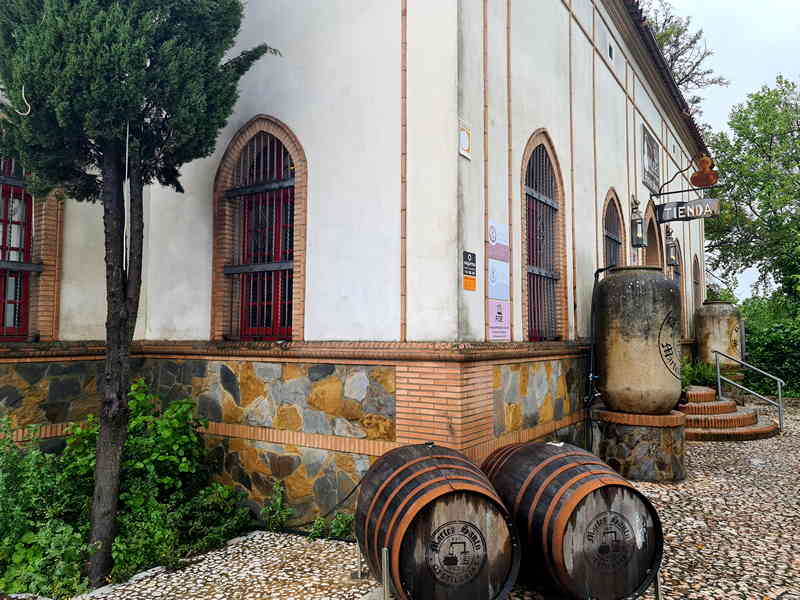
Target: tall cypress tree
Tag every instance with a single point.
(91, 90)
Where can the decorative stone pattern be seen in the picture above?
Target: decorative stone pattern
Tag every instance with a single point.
(49, 392)
(341, 400)
(315, 480)
(643, 453)
(534, 393)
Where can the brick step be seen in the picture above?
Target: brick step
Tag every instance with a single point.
(717, 407)
(740, 418)
(699, 393)
(765, 428)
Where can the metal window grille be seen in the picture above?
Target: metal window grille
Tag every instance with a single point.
(264, 190)
(15, 251)
(613, 236)
(542, 260)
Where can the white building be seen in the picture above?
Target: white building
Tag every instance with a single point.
(403, 175)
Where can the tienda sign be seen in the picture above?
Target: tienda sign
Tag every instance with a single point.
(686, 211)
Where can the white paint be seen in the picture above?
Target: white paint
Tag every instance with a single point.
(337, 87)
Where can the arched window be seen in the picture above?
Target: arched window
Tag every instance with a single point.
(264, 191)
(653, 251)
(613, 237)
(697, 281)
(16, 216)
(259, 235)
(543, 247)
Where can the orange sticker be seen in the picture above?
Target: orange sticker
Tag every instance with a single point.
(470, 284)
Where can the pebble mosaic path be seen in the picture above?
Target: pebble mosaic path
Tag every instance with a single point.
(732, 531)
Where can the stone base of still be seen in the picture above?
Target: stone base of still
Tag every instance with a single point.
(643, 447)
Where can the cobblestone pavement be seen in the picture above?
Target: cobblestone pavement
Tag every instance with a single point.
(260, 566)
(732, 531)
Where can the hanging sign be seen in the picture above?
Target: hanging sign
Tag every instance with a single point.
(686, 211)
(470, 271)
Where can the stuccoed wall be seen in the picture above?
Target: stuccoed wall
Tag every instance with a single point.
(353, 401)
(535, 393)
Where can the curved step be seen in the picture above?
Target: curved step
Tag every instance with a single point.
(699, 393)
(740, 418)
(717, 407)
(765, 428)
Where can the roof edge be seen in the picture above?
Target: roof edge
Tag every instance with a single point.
(648, 39)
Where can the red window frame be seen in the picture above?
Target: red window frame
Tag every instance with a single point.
(14, 308)
(265, 192)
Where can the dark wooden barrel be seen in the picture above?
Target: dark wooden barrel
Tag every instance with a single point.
(448, 534)
(584, 529)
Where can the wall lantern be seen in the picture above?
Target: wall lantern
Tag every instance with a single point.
(672, 249)
(638, 238)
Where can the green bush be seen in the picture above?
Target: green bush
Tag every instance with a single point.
(319, 528)
(167, 508)
(276, 513)
(699, 373)
(772, 327)
(342, 525)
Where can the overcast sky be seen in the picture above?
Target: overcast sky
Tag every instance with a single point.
(753, 42)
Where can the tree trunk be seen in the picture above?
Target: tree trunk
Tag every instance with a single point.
(122, 294)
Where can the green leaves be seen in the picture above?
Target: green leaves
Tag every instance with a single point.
(168, 508)
(276, 513)
(91, 68)
(758, 163)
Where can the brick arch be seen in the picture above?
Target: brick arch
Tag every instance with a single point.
(612, 199)
(225, 227)
(541, 138)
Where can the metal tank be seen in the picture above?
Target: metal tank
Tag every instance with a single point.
(718, 326)
(638, 337)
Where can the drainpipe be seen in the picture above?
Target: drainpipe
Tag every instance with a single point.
(592, 392)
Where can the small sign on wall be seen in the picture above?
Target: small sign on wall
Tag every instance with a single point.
(470, 271)
(499, 321)
(499, 277)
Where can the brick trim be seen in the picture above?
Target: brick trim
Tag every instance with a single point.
(697, 393)
(223, 306)
(541, 137)
(613, 198)
(673, 419)
(45, 287)
(320, 351)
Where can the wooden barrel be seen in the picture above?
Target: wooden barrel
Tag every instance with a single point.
(585, 530)
(448, 534)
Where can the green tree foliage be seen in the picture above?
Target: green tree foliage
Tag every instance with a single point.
(92, 91)
(772, 326)
(685, 51)
(717, 293)
(760, 189)
(167, 509)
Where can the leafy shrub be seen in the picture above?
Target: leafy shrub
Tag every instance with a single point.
(167, 507)
(319, 528)
(772, 327)
(699, 373)
(276, 513)
(342, 525)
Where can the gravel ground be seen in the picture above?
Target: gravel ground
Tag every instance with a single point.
(732, 531)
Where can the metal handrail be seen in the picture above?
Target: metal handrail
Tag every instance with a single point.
(778, 380)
